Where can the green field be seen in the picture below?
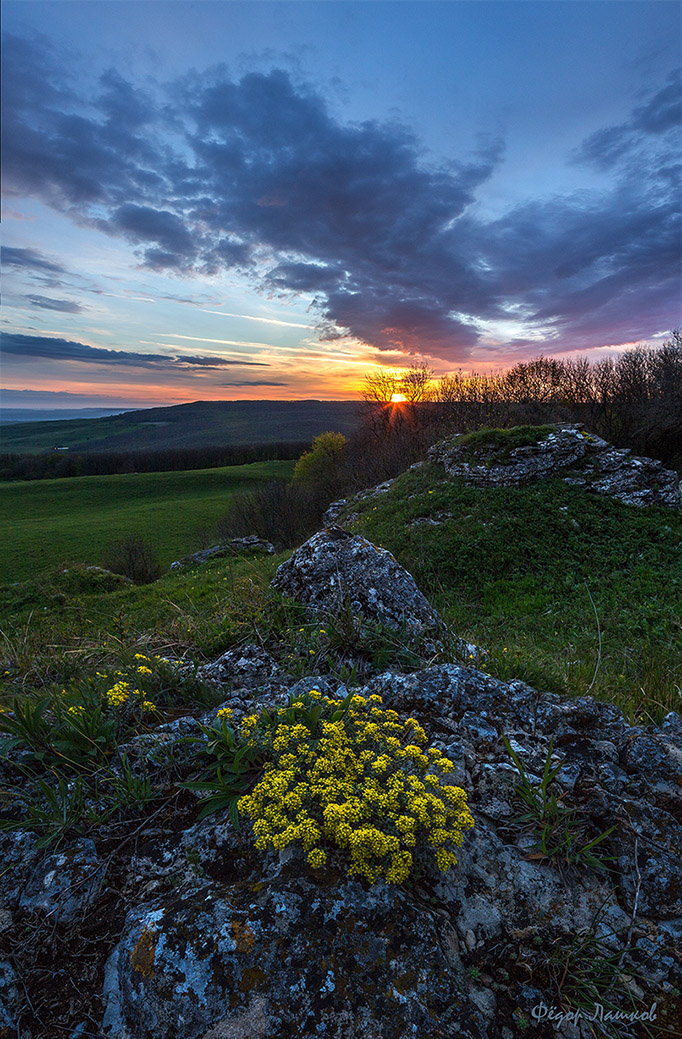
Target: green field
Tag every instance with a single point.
(569, 591)
(49, 522)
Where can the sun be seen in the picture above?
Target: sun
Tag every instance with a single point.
(398, 398)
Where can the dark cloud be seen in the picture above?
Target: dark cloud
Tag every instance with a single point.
(46, 347)
(145, 224)
(30, 259)
(263, 179)
(67, 306)
(660, 115)
(220, 362)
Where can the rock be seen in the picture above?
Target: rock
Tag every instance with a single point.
(19, 854)
(291, 956)
(161, 751)
(334, 568)
(64, 884)
(240, 668)
(249, 543)
(221, 940)
(253, 945)
(582, 459)
(9, 1000)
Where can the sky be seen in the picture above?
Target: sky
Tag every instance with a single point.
(255, 200)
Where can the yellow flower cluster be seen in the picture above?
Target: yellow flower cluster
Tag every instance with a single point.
(121, 694)
(362, 783)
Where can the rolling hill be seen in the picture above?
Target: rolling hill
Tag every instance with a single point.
(200, 424)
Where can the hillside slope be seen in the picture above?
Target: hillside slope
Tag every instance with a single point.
(200, 424)
(399, 863)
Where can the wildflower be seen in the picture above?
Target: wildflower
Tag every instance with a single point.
(345, 789)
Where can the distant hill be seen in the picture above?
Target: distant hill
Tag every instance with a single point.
(201, 424)
(54, 414)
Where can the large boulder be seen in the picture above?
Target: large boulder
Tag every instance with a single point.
(334, 568)
(289, 956)
(581, 459)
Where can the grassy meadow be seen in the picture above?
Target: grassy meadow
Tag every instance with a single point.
(569, 591)
(47, 523)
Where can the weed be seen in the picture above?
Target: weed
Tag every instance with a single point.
(559, 832)
(234, 767)
(585, 971)
(136, 559)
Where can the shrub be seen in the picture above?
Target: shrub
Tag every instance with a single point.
(282, 513)
(351, 776)
(322, 465)
(134, 558)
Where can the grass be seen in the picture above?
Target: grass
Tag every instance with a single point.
(484, 443)
(568, 591)
(516, 570)
(47, 523)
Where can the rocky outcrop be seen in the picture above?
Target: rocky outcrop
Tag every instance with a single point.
(251, 543)
(265, 947)
(287, 957)
(581, 459)
(334, 569)
(218, 940)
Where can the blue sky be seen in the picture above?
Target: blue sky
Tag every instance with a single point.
(255, 200)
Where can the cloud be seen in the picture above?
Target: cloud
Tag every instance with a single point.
(255, 175)
(253, 382)
(659, 117)
(57, 349)
(67, 306)
(175, 245)
(30, 259)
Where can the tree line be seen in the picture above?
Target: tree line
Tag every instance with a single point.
(58, 464)
(633, 400)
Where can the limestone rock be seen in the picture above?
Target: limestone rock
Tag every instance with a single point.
(291, 956)
(255, 945)
(226, 548)
(334, 567)
(19, 854)
(65, 883)
(251, 665)
(9, 1000)
(581, 459)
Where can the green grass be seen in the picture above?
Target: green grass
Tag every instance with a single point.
(568, 591)
(517, 570)
(46, 523)
(484, 443)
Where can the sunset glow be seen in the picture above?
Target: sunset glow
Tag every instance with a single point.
(398, 398)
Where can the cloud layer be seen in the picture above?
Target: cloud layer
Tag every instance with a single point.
(55, 349)
(255, 175)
